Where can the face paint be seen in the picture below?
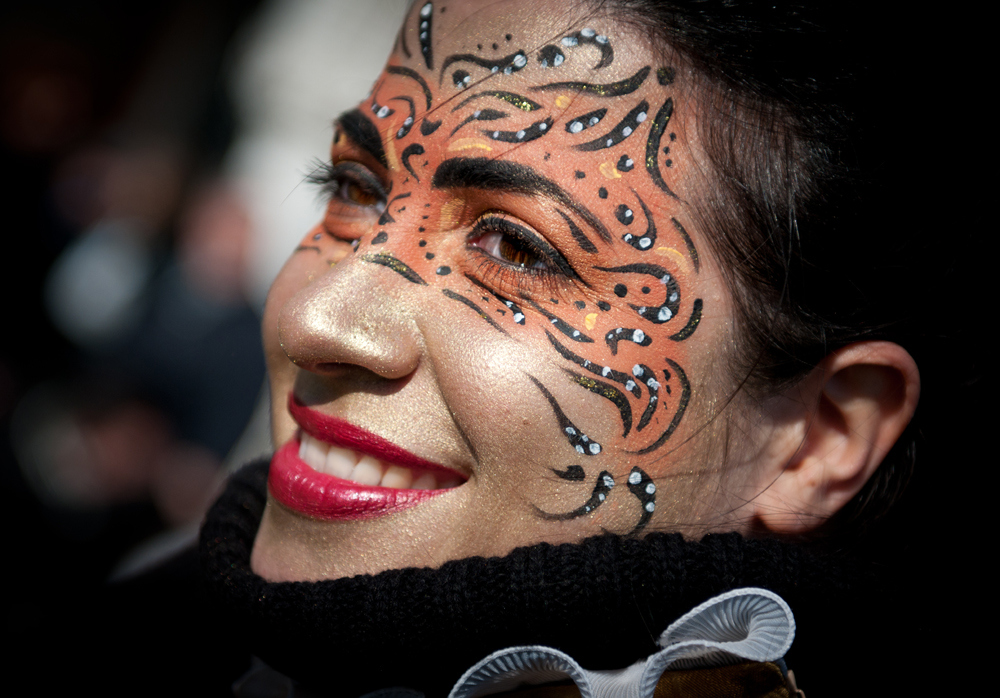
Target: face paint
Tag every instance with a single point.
(518, 310)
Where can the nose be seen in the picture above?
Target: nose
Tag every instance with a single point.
(351, 315)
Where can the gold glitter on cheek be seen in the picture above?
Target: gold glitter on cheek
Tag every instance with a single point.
(466, 143)
(449, 213)
(609, 170)
(590, 321)
(563, 101)
(388, 138)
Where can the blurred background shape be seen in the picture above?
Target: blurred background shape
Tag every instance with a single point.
(153, 159)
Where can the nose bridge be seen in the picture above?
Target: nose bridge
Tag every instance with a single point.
(354, 314)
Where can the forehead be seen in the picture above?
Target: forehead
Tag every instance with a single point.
(577, 97)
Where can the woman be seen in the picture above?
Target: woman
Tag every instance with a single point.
(558, 297)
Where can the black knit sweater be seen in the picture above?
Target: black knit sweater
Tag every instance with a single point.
(603, 601)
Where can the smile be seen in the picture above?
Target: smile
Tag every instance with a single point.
(363, 469)
(335, 470)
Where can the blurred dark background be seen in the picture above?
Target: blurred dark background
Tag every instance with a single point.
(131, 359)
(118, 416)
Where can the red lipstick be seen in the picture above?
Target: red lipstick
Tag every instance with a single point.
(320, 495)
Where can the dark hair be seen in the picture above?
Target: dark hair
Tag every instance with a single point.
(796, 119)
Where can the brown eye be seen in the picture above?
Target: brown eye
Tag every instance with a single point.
(361, 196)
(515, 252)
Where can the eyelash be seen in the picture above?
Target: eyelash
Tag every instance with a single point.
(331, 180)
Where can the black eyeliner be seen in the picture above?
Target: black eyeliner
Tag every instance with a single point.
(537, 245)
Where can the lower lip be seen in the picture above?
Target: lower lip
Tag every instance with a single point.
(322, 496)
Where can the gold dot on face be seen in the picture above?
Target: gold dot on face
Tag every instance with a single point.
(466, 143)
(609, 170)
(563, 101)
(590, 321)
(676, 256)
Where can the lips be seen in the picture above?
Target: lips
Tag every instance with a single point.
(335, 470)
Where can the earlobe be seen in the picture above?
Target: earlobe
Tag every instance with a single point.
(854, 406)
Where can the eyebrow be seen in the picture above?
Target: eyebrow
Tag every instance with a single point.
(360, 129)
(506, 176)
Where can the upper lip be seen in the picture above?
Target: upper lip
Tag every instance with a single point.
(341, 433)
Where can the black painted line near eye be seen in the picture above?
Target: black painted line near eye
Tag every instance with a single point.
(582, 240)
(597, 369)
(598, 496)
(387, 260)
(303, 248)
(428, 127)
(626, 334)
(507, 64)
(479, 115)
(646, 240)
(522, 103)
(614, 89)
(360, 129)
(653, 145)
(644, 489)
(573, 473)
(408, 152)
(413, 75)
(514, 307)
(692, 323)
(482, 313)
(590, 37)
(561, 325)
(678, 414)
(409, 120)
(426, 16)
(692, 251)
(646, 375)
(655, 314)
(524, 135)
(386, 217)
(581, 123)
(580, 442)
(622, 130)
(609, 392)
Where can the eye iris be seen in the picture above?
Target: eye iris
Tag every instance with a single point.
(514, 253)
(360, 196)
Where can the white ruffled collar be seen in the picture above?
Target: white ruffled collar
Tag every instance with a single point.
(742, 625)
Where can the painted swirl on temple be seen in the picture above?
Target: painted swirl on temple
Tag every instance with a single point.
(613, 89)
(653, 145)
(622, 130)
(678, 413)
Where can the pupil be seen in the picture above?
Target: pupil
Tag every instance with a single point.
(360, 196)
(514, 253)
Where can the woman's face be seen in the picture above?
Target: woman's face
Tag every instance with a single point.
(507, 328)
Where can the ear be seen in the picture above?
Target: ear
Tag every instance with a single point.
(845, 417)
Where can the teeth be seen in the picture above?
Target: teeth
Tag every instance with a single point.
(425, 482)
(364, 469)
(340, 462)
(368, 471)
(398, 478)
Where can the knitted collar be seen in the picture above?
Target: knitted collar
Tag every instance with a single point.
(602, 601)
